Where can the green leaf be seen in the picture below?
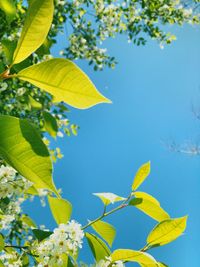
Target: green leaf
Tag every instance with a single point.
(141, 175)
(133, 256)
(40, 234)
(50, 124)
(25, 260)
(108, 198)
(65, 81)
(32, 191)
(149, 205)
(61, 209)
(98, 247)
(22, 147)
(105, 230)
(36, 27)
(8, 49)
(167, 231)
(1, 242)
(27, 220)
(9, 8)
(34, 104)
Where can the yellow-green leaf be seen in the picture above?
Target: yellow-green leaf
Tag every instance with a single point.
(22, 147)
(65, 81)
(36, 27)
(98, 247)
(1, 242)
(8, 49)
(9, 8)
(105, 230)
(133, 256)
(108, 198)
(34, 104)
(141, 175)
(27, 220)
(149, 205)
(61, 209)
(50, 124)
(167, 231)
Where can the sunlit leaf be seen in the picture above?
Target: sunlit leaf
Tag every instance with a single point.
(61, 209)
(149, 205)
(98, 247)
(65, 81)
(34, 104)
(22, 147)
(50, 124)
(36, 27)
(108, 198)
(9, 8)
(141, 175)
(105, 230)
(27, 220)
(133, 256)
(167, 231)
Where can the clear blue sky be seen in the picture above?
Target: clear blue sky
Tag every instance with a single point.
(152, 91)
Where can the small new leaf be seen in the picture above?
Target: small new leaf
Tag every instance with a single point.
(50, 124)
(105, 230)
(61, 209)
(108, 198)
(166, 231)
(65, 81)
(141, 175)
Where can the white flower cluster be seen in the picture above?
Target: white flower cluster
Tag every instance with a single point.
(66, 239)
(10, 183)
(107, 262)
(11, 260)
(12, 186)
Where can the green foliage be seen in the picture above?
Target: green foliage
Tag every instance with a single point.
(166, 231)
(50, 124)
(40, 234)
(149, 205)
(141, 175)
(108, 198)
(36, 27)
(70, 84)
(98, 247)
(133, 256)
(105, 230)
(21, 146)
(9, 8)
(1, 242)
(33, 88)
(61, 209)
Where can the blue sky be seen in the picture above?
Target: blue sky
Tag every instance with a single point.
(152, 91)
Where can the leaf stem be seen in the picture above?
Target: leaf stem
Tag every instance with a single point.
(105, 214)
